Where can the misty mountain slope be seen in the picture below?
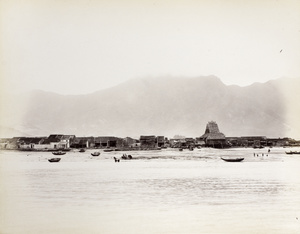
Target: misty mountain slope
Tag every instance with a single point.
(164, 106)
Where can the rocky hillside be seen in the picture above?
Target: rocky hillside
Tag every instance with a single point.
(161, 106)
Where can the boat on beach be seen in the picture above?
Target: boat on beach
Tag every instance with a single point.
(293, 152)
(82, 150)
(108, 150)
(95, 154)
(58, 153)
(54, 159)
(232, 159)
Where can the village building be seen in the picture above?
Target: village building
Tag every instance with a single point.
(83, 142)
(3, 143)
(213, 137)
(234, 141)
(31, 143)
(57, 142)
(68, 140)
(190, 142)
(9, 143)
(280, 142)
(53, 142)
(108, 142)
(167, 142)
(199, 142)
(160, 141)
(260, 141)
(254, 141)
(148, 142)
(178, 143)
(131, 143)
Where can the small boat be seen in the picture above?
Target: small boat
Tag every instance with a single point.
(233, 159)
(108, 150)
(54, 159)
(180, 149)
(82, 150)
(293, 152)
(58, 153)
(95, 154)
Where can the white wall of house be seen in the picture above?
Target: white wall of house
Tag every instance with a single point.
(35, 146)
(58, 145)
(10, 146)
(66, 143)
(51, 146)
(26, 146)
(3, 145)
(42, 146)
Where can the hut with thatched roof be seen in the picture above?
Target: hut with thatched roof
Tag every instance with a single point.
(213, 137)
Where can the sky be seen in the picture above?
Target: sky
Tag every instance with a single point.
(78, 47)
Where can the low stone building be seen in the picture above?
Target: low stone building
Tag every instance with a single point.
(57, 142)
(199, 142)
(160, 141)
(254, 141)
(9, 143)
(83, 142)
(190, 142)
(280, 142)
(31, 143)
(131, 142)
(108, 142)
(177, 142)
(148, 141)
(52, 142)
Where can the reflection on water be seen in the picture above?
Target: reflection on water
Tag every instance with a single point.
(163, 191)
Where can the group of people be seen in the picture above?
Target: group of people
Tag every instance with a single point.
(262, 154)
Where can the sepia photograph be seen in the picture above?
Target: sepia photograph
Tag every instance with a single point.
(149, 117)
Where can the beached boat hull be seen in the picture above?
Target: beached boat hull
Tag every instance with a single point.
(59, 153)
(233, 159)
(293, 152)
(108, 150)
(54, 160)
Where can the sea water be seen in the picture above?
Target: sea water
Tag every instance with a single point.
(163, 191)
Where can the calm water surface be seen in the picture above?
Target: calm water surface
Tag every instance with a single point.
(163, 191)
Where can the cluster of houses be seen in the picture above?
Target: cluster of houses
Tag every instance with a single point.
(212, 137)
(65, 142)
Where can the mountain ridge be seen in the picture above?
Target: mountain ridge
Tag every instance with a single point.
(162, 106)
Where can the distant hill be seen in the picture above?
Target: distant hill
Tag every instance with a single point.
(161, 106)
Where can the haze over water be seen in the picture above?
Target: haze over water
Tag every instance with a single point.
(163, 191)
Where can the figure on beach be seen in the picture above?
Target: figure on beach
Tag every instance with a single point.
(116, 159)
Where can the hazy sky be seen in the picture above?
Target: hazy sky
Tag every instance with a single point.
(74, 47)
